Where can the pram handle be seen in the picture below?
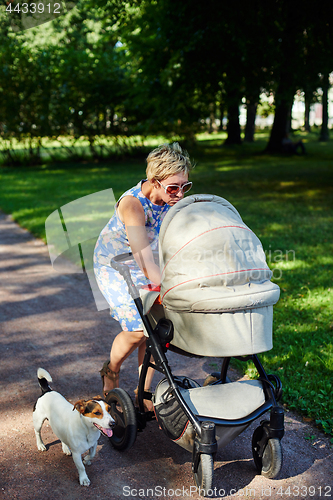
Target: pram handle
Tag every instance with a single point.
(117, 264)
(116, 261)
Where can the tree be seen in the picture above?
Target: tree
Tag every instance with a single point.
(304, 50)
(186, 53)
(88, 76)
(324, 134)
(288, 56)
(24, 91)
(324, 37)
(71, 82)
(163, 66)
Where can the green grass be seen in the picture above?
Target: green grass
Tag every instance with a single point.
(287, 201)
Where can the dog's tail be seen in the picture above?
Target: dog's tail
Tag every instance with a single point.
(43, 379)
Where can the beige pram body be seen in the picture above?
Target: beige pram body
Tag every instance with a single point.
(216, 300)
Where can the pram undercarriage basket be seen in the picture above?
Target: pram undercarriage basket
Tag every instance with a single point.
(217, 300)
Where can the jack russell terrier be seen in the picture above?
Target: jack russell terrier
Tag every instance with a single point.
(78, 427)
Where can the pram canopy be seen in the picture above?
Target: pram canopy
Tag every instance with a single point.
(215, 283)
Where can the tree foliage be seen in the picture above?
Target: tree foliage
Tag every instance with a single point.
(146, 66)
(72, 82)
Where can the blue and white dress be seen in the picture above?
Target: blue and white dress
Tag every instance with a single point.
(113, 241)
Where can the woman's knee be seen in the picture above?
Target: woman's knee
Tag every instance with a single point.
(136, 337)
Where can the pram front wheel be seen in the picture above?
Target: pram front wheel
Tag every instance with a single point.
(123, 412)
(204, 475)
(270, 463)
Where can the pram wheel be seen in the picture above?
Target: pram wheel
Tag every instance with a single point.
(270, 464)
(123, 411)
(204, 475)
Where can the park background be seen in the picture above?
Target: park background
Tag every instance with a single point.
(85, 97)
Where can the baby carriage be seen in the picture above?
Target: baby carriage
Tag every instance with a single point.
(216, 299)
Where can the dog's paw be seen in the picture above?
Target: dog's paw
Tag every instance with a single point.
(65, 449)
(87, 460)
(84, 480)
(41, 447)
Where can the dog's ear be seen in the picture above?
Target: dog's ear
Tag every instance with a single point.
(98, 398)
(80, 406)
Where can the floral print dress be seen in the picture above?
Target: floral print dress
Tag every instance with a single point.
(113, 241)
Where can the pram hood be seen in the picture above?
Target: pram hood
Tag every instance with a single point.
(213, 267)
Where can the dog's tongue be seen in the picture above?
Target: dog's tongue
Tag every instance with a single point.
(106, 432)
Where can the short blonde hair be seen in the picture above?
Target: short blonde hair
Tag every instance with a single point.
(167, 160)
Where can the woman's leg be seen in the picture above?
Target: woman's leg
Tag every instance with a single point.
(148, 404)
(123, 345)
(151, 371)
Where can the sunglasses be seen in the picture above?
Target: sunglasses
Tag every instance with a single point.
(174, 189)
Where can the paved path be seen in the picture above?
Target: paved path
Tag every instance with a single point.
(50, 320)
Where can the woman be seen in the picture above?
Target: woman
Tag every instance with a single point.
(134, 228)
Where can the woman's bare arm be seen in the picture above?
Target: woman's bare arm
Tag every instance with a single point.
(131, 213)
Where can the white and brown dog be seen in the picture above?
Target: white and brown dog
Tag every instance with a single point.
(78, 427)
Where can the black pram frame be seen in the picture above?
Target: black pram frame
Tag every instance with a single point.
(266, 441)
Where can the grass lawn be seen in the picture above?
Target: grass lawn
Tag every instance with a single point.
(286, 201)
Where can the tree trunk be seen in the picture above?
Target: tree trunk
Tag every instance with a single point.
(212, 110)
(221, 116)
(307, 99)
(233, 127)
(251, 113)
(283, 100)
(324, 135)
(289, 122)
